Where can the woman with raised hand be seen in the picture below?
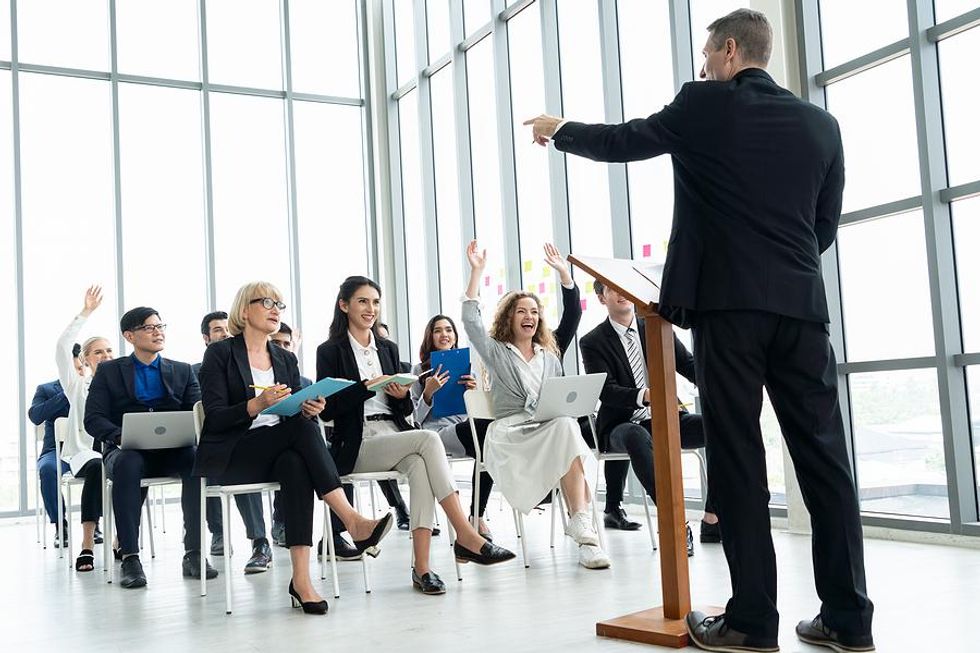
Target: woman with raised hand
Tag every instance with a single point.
(520, 352)
(75, 375)
(372, 432)
(241, 377)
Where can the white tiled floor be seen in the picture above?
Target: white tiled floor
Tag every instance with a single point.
(926, 596)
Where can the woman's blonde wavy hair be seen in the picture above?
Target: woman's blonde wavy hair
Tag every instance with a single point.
(501, 330)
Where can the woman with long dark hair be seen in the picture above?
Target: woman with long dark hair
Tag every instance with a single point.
(372, 432)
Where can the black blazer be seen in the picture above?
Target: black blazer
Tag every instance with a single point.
(758, 179)
(335, 358)
(602, 351)
(111, 395)
(225, 376)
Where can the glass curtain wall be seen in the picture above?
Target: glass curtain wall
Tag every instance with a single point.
(171, 152)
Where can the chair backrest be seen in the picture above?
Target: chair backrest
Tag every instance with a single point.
(61, 429)
(478, 404)
(39, 432)
(198, 419)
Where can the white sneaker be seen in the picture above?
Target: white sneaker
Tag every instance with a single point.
(581, 530)
(592, 557)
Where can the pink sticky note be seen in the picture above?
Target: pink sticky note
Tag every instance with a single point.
(646, 251)
(541, 288)
(500, 289)
(486, 280)
(583, 305)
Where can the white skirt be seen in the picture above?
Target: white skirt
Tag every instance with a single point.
(527, 462)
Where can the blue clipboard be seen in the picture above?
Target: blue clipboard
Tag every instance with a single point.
(294, 402)
(449, 399)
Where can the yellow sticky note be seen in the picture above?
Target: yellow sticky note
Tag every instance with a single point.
(528, 265)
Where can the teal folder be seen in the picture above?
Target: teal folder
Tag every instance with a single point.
(294, 402)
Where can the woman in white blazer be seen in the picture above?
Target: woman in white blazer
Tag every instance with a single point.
(78, 451)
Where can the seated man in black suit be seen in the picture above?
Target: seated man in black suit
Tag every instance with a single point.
(144, 382)
(617, 347)
(214, 328)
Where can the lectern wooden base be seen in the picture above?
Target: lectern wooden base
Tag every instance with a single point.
(650, 627)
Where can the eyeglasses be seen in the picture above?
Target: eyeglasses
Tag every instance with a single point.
(268, 303)
(161, 327)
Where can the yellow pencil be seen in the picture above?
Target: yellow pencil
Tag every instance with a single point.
(262, 387)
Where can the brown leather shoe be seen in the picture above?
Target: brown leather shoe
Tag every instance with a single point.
(714, 634)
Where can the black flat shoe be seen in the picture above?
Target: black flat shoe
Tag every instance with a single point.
(370, 545)
(402, 515)
(344, 549)
(98, 536)
(617, 520)
(132, 573)
(816, 632)
(191, 566)
(490, 554)
(309, 607)
(710, 533)
(428, 583)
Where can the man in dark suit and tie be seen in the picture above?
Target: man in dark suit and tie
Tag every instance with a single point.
(758, 180)
(617, 347)
(144, 382)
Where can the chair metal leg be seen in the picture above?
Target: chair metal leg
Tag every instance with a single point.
(519, 519)
(37, 506)
(451, 532)
(364, 557)
(331, 550)
(646, 509)
(517, 526)
(163, 509)
(68, 518)
(202, 544)
(60, 528)
(595, 507)
(554, 510)
(110, 524)
(149, 528)
(268, 496)
(226, 534)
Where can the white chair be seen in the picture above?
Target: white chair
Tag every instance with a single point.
(42, 535)
(224, 493)
(357, 480)
(66, 480)
(479, 406)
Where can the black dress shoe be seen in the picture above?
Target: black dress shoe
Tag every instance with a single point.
(490, 554)
(401, 513)
(690, 541)
(192, 566)
(818, 633)
(710, 533)
(714, 634)
(309, 607)
(132, 573)
(617, 520)
(370, 545)
(261, 558)
(344, 549)
(428, 583)
(98, 539)
(279, 533)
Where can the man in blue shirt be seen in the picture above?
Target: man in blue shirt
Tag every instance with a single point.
(144, 382)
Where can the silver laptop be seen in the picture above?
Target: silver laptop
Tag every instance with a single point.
(567, 396)
(158, 430)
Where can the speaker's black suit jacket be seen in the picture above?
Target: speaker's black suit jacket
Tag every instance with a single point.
(758, 178)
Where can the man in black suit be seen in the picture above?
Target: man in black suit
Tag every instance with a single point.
(758, 179)
(144, 382)
(617, 347)
(214, 328)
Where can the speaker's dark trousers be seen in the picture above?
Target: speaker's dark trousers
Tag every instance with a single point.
(736, 354)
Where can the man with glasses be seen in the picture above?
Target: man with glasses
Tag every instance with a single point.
(144, 382)
(214, 328)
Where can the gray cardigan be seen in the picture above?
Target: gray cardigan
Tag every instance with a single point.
(507, 391)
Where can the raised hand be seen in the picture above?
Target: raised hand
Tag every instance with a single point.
(476, 258)
(555, 260)
(93, 299)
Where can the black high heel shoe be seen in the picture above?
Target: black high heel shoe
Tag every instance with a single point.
(309, 607)
(370, 545)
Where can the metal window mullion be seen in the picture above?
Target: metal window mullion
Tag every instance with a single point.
(680, 34)
(364, 37)
(464, 153)
(864, 62)
(209, 249)
(954, 26)
(292, 215)
(426, 163)
(960, 192)
(938, 225)
(19, 267)
(505, 146)
(811, 62)
(612, 87)
(397, 272)
(116, 169)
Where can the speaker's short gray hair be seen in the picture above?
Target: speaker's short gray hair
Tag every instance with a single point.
(749, 29)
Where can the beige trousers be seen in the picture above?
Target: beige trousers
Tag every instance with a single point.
(419, 455)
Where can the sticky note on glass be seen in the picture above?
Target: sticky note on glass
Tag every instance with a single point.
(486, 280)
(584, 306)
(646, 251)
(528, 265)
(541, 288)
(500, 289)
(589, 287)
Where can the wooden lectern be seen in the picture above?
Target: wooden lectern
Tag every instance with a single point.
(663, 626)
